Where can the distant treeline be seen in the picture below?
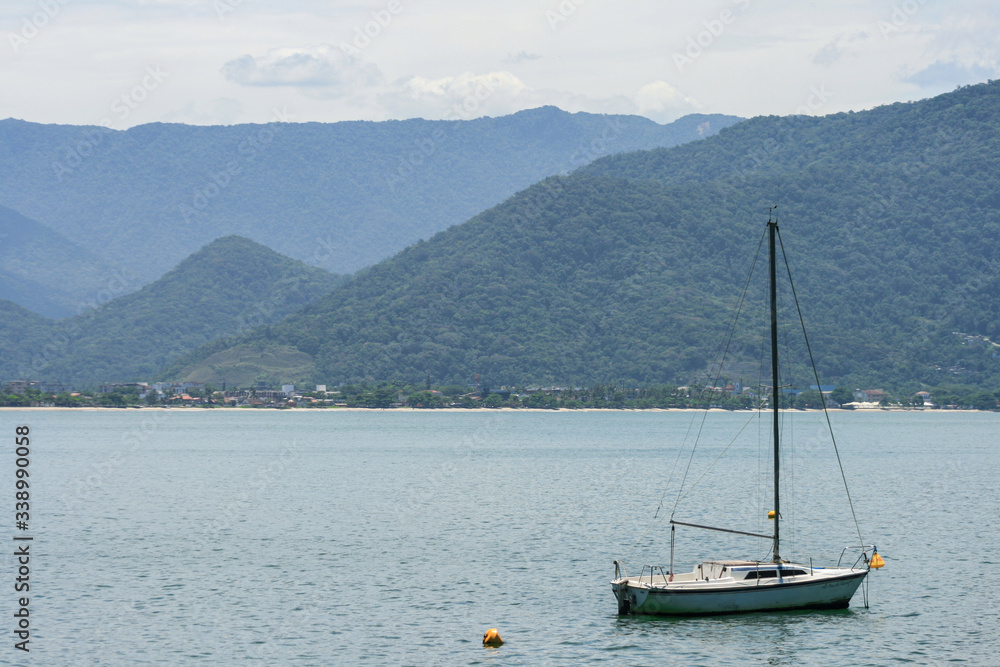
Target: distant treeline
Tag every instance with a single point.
(388, 395)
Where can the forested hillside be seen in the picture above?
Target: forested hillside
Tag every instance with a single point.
(339, 196)
(628, 269)
(231, 285)
(22, 335)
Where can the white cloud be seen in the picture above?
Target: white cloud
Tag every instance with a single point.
(575, 102)
(842, 45)
(219, 111)
(956, 49)
(605, 58)
(514, 58)
(946, 75)
(323, 67)
(467, 95)
(662, 102)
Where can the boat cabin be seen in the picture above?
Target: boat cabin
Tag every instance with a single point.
(744, 570)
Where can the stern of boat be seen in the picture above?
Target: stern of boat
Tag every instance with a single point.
(628, 596)
(619, 588)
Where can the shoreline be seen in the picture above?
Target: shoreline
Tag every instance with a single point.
(430, 410)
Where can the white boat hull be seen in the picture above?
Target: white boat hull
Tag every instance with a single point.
(826, 589)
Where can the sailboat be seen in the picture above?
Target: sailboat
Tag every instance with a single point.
(734, 586)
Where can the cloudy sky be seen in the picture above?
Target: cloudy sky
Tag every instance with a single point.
(126, 62)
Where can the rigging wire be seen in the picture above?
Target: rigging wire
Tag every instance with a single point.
(763, 475)
(757, 410)
(724, 353)
(652, 523)
(826, 413)
(722, 362)
(649, 528)
(682, 493)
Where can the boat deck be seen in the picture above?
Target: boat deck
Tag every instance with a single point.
(734, 586)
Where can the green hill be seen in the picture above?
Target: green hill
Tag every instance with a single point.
(628, 268)
(339, 196)
(23, 335)
(229, 286)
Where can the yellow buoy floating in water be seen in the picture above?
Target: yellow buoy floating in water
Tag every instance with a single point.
(770, 515)
(492, 638)
(876, 562)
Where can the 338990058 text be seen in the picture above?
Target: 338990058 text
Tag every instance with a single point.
(22, 550)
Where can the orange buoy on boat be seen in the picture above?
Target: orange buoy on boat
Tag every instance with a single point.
(492, 638)
(876, 562)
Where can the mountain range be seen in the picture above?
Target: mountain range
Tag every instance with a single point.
(629, 267)
(627, 270)
(339, 196)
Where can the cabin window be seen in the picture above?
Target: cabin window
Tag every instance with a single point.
(761, 574)
(770, 574)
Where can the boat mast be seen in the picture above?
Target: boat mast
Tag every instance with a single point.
(772, 228)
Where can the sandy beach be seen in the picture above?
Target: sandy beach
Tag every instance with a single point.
(450, 409)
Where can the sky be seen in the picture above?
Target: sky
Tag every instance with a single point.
(122, 63)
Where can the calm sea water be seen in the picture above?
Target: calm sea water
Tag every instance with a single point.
(391, 537)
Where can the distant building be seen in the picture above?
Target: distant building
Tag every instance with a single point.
(869, 395)
(124, 388)
(256, 396)
(20, 386)
(176, 387)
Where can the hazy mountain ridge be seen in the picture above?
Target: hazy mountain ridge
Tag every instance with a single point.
(336, 195)
(43, 271)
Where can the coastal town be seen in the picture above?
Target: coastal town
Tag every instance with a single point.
(732, 396)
